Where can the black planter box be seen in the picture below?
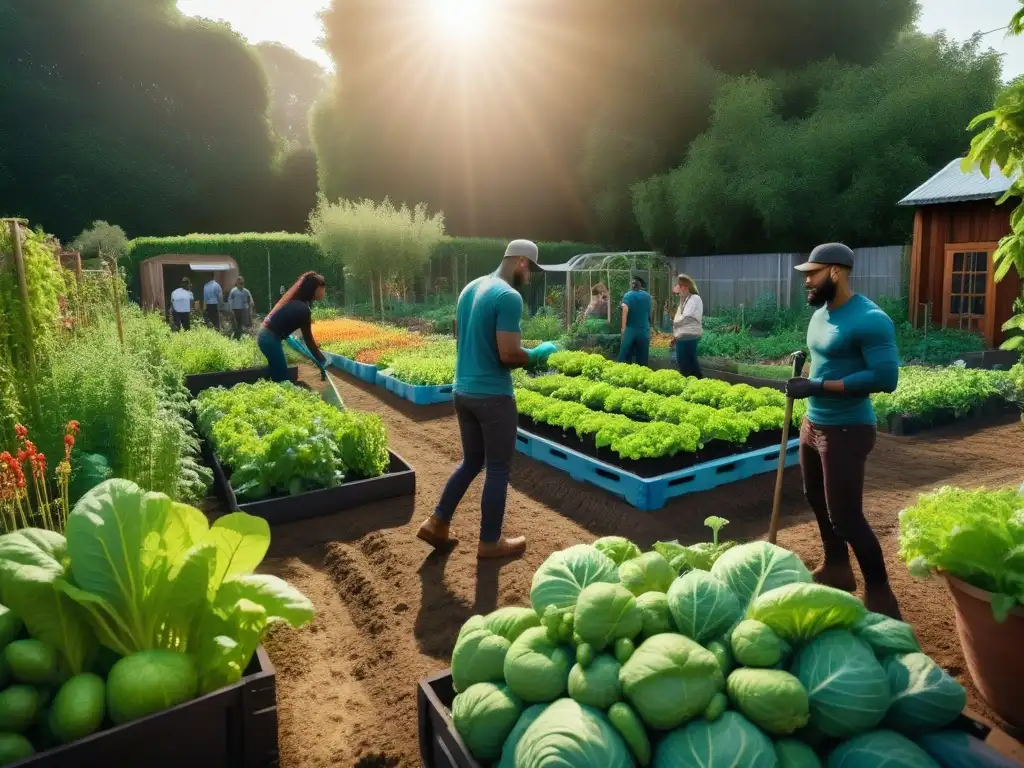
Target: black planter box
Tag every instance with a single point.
(197, 382)
(992, 410)
(235, 727)
(442, 747)
(399, 480)
(646, 468)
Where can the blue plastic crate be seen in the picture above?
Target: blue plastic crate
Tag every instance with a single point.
(420, 395)
(364, 371)
(654, 492)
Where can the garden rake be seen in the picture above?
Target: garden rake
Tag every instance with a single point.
(773, 527)
(330, 393)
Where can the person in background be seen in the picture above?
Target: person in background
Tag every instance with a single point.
(242, 306)
(488, 346)
(291, 313)
(687, 326)
(181, 306)
(213, 295)
(598, 307)
(853, 354)
(636, 324)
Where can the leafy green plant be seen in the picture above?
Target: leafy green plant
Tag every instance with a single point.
(283, 439)
(203, 350)
(924, 392)
(975, 535)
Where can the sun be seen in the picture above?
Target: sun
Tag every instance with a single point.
(465, 20)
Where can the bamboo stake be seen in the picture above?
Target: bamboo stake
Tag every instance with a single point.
(373, 298)
(114, 285)
(19, 268)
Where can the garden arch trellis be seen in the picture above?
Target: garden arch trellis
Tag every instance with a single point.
(615, 269)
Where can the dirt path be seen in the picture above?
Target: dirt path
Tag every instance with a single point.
(389, 609)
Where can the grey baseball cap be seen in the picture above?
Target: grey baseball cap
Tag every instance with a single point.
(527, 248)
(827, 255)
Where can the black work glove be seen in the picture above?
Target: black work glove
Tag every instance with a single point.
(801, 387)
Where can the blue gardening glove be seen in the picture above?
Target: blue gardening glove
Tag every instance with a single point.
(539, 355)
(801, 387)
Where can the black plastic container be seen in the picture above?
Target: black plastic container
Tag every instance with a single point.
(399, 480)
(442, 747)
(197, 382)
(235, 727)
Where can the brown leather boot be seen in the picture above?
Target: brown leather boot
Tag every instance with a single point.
(503, 547)
(434, 531)
(836, 576)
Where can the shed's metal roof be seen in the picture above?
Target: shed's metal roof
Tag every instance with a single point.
(952, 185)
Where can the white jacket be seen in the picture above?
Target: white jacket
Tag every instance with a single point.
(688, 322)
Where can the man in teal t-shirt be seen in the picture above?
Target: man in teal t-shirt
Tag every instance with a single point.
(636, 324)
(488, 346)
(853, 354)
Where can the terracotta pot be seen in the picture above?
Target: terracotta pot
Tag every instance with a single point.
(993, 651)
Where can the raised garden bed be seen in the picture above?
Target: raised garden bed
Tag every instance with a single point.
(653, 491)
(418, 395)
(399, 480)
(197, 382)
(363, 371)
(442, 747)
(907, 425)
(235, 726)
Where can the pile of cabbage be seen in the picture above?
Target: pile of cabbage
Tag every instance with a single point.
(631, 659)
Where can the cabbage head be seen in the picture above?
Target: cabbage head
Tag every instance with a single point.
(924, 697)
(771, 699)
(880, 749)
(606, 612)
(731, 741)
(598, 685)
(536, 669)
(670, 679)
(754, 644)
(511, 622)
(793, 753)
(648, 573)
(848, 688)
(657, 617)
(479, 655)
(566, 734)
(618, 548)
(886, 636)
(561, 578)
(750, 570)
(702, 606)
(484, 715)
(800, 612)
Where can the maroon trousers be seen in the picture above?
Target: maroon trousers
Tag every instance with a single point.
(832, 460)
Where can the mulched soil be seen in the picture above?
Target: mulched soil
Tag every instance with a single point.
(389, 609)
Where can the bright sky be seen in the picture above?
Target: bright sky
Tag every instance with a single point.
(295, 23)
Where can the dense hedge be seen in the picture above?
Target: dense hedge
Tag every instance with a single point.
(290, 255)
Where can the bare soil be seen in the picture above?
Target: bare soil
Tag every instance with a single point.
(389, 609)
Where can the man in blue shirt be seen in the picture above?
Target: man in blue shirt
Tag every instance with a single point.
(853, 354)
(488, 347)
(213, 294)
(636, 324)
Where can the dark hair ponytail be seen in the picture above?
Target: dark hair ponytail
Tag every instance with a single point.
(303, 290)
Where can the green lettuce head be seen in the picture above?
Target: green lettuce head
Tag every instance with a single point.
(702, 606)
(560, 579)
(484, 715)
(565, 734)
(605, 613)
(648, 573)
(617, 548)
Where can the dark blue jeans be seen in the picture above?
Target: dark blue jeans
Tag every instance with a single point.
(487, 426)
(686, 357)
(636, 347)
(270, 346)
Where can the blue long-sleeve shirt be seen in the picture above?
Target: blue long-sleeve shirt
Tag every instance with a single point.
(855, 344)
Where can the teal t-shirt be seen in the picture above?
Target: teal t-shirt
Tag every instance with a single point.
(487, 305)
(639, 303)
(855, 344)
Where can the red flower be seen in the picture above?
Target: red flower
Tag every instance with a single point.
(20, 431)
(72, 427)
(22, 455)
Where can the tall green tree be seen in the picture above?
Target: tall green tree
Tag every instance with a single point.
(822, 154)
(131, 113)
(295, 84)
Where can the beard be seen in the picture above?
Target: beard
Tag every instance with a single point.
(519, 280)
(824, 293)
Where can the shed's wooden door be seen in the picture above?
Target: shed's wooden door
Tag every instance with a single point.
(969, 294)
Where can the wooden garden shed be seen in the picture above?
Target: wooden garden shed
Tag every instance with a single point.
(957, 228)
(160, 275)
